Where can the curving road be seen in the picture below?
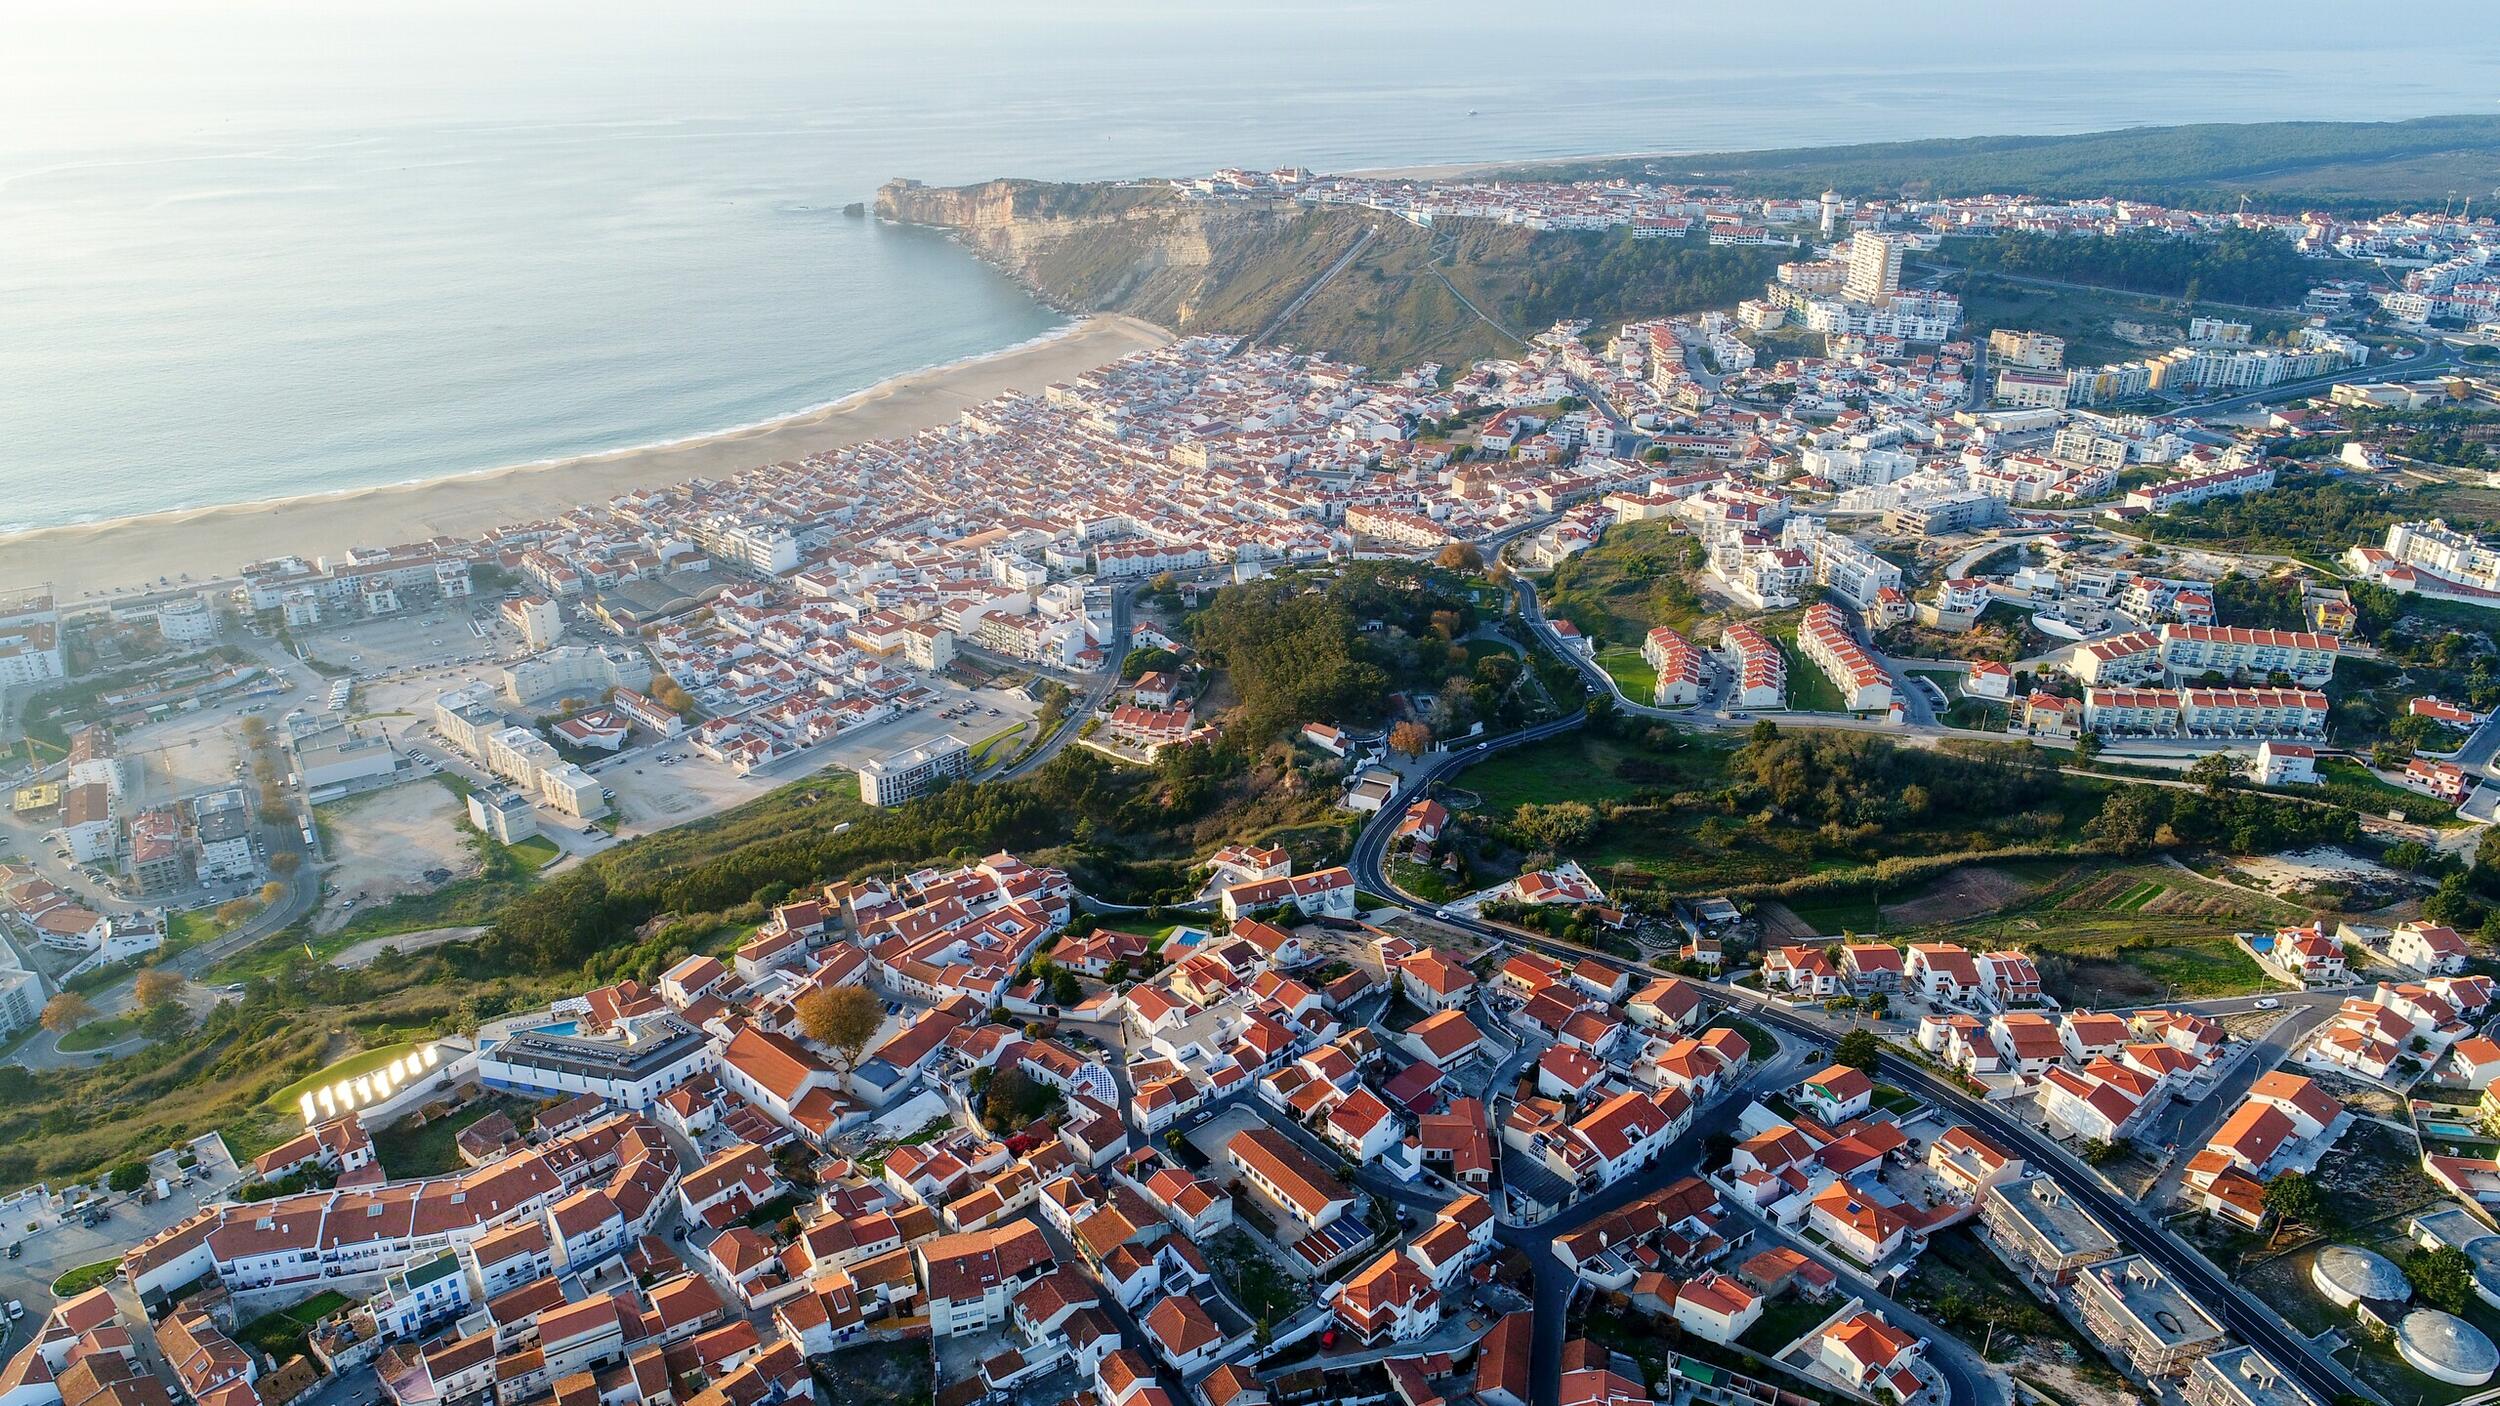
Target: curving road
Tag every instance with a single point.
(2247, 1319)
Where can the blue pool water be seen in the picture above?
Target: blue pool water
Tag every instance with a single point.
(564, 1028)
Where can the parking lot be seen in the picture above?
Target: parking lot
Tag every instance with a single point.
(58, 1245)
(452, 634)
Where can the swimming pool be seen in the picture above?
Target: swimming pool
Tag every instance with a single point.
(2441, 1128)
(561, 1029)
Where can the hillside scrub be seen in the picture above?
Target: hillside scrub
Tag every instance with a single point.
(2234, 265)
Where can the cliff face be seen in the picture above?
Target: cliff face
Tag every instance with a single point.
(1234, 267)
(1191, 266)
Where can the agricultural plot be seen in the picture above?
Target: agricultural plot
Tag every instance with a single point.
(1964, 894)
(2124, 934)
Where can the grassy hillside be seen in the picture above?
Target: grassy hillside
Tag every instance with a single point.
(1464, 290)
(2282, 165)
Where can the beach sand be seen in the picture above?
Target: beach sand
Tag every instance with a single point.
(209, 543)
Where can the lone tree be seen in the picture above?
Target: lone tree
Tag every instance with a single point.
(1410, 738)
(2294, 1198)
(1460, 556)
(66, 1012)
(2217, 772)
(844, 1019)
(1859, 1049)
(1015, 1098)
(157, 986)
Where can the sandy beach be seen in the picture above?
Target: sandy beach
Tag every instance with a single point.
(96, 558)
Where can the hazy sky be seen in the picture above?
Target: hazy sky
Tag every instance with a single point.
(96, 74)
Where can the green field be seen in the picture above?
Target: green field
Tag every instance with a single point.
(1809, 690)
(998, 746)
(1581, 766)
(1666, 834)
(1423, 881)
(284, 1334)
(1639, 576)
(2137, 897)
(407, 1149)
(1844, 912)
(96, 1034)
(2084, 317)
(361, 1062)
(537, 852)
(1784, 1321)
(1630, 672)
(2125, 934)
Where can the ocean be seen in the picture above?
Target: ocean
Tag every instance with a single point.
(262, 248)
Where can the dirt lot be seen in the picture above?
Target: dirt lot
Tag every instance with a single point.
(1959, 895)
(194, 753)
(2294, 875)
(386, 843)
(650, 796)
(2367, 1100)
(878, 1374)
(1424, 932)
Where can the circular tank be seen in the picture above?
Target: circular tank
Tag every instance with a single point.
(2446, 1347)
(2347, 1274)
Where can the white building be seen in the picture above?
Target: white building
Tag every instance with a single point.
(892, 780)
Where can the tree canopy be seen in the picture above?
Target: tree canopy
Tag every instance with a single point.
(845, 1019)
(2235, 265)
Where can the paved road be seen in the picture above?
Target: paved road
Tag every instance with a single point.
(2183, 1126)
(2247, 1319)
(2434, 354)
(303, 893)
(1090, 694)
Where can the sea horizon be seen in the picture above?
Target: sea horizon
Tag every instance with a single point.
(384, 281)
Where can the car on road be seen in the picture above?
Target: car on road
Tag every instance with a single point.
(2269, 1003)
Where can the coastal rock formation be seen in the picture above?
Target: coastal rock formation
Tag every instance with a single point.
(1191, 266)
(1280, 269)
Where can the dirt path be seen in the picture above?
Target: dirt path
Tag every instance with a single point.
(363, 953)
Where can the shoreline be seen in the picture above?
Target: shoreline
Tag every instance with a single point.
(1462, 170)
(79, 560)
